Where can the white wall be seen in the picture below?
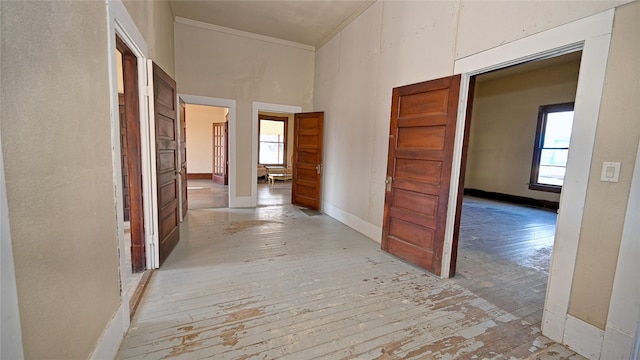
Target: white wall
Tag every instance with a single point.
(199, 136)
(396, 43)
(233, 65)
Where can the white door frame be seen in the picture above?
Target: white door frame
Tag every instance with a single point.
(257, 107)
(234, 201)
(120, 23)
(592, 35)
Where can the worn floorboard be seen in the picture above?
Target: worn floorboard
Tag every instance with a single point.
(274, 283)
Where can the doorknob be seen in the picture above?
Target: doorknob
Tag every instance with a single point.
(388, 181)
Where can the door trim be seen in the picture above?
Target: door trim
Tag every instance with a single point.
(257, 107)
(120, 23)
(234, 200)
(592, 35)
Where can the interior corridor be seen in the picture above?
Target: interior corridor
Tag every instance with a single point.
(275, 283)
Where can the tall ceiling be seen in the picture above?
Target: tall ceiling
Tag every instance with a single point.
(310, 22)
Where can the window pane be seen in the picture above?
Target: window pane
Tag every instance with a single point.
(558, 129)
(553, 157)
(271, 153)
(551, 175)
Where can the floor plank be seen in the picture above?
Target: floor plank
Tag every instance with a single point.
(274, 283)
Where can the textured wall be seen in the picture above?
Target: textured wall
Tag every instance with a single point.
(154, 20)
(214, 64)
(56, 143)
(617, 138)
(503, 127)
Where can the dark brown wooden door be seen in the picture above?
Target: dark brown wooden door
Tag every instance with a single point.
(167, 161)
(132, 149)
(123, 154)
(220, 142)
(421, 138)
(183, 158)
(307, 160)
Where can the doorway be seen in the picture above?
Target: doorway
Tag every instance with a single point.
(507, 228)
(130, 147)
(275, 151)
(207, 156)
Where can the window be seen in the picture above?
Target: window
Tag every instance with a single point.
(272, 147)
(551, 147)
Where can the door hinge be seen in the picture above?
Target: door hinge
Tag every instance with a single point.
(388, 181)
(147, 91)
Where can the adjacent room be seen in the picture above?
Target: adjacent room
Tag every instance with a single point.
(207, 156)
(515, 169)
(275, 151)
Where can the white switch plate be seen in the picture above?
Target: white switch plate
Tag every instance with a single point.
(610, 171)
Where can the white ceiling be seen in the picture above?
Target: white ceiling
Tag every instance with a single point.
(310, 22)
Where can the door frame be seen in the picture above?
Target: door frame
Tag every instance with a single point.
(120, 23)
(257, 107)
(592, 35)
(234, 200)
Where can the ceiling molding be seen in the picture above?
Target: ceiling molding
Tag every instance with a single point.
(245, 34)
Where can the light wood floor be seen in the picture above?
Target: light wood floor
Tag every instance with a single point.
(274, 283)
(205, 194)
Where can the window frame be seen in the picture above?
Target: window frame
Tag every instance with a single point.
(283, 119)
(541, 128)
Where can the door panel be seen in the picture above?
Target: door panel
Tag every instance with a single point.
(167, 161)
(421, 139)
(220, 153)
(183, 158)
(307, 160)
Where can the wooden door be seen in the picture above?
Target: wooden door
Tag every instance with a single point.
(421, 139)
(220, 153)
(167, 161)
(131, 141)
(123, 158)
(183, 158)
(307, 160)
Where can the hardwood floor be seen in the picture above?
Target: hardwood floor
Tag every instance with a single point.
(274, 283)
(504, 255)
(205, 194)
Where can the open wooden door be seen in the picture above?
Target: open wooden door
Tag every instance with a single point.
(220, 153)
(421, 140)
(183, 158)
(132, 149)
(307, 160)
(167, 161)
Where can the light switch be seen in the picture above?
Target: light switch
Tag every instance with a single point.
(610, 171)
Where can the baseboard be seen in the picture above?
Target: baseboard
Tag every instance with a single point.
(617, 345)
(137, 294)
(208, 176)
(545, 204)
(109, 343)
(242, 202)
(583, 338)
(365, 228)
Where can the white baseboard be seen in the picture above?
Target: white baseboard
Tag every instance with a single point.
(583, 338)
(367, 229)
(109, 343)
(242, 202)
(617, 345)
